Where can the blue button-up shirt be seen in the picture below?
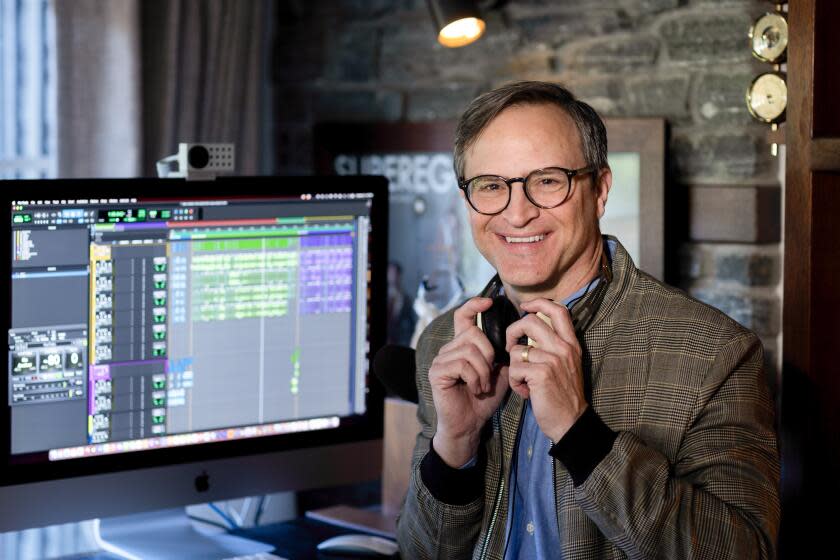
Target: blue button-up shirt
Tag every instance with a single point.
(532, 531)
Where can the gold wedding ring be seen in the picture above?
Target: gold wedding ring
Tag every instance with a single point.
(525, 353)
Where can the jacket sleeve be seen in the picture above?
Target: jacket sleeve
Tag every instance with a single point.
(719, 498)
(429, 527)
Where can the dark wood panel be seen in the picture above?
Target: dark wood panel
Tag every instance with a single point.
(796, 422)
(810, 397)
(825, 324)
(826, 77)
(825, 153)
(798, 202)
(810, 430)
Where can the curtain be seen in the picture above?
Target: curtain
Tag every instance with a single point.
(136, 78)
(98, 87)
(27, 107)
(132, 80)
(204, 69)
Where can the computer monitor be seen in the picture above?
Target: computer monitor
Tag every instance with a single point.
(175, 342)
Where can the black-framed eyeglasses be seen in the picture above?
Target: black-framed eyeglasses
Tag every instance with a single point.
(546, 188)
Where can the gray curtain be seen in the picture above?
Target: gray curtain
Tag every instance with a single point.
(134, 79)
(98, 87)
(204, 68)
(97, 54)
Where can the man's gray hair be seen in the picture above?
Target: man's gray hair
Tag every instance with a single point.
(487, 106)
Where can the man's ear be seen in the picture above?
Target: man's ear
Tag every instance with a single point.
(603, 182)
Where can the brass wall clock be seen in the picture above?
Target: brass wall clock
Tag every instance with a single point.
(769, 38)
(767, 98)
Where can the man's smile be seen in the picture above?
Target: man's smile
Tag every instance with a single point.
(520, 239)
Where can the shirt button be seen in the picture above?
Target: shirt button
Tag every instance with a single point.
(530, 528)
(530, 451)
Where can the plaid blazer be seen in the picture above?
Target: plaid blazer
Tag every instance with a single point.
(694, 472)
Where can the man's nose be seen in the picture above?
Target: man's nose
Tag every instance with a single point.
(520, 211)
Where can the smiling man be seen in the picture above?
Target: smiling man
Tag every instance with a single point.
(618, 417)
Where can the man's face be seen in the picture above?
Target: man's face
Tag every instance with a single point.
(531, 248)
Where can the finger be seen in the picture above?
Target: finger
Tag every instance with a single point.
(517, 379)
(464, 317)
(448, 374)
(532, 327)
(470, 337)
(561, 319)
(476, 359)
(474, 336)
(471, 377)
(517, 353)
(499, 384)
(502, 379)
(534, 355)
(543, 364)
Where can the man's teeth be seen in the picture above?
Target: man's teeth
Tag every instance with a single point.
(531, 239)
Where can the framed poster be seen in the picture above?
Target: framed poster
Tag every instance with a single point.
(433, 262)
(635, 211)
(430, 243)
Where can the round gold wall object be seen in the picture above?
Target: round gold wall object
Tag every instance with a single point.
(767, 97)
(769, 38)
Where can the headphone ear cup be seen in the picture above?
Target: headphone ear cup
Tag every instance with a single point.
(494, 322)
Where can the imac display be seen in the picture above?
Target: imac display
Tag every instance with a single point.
(174, 342)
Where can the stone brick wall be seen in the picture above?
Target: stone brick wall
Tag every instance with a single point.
(685, 60)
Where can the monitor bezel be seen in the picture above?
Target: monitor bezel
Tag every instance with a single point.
(357, 429)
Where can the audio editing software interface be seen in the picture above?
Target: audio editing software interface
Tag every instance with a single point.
(142, 324)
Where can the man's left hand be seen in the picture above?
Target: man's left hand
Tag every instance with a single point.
(552, 376)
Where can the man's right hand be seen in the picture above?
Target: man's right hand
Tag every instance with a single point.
(466, 388)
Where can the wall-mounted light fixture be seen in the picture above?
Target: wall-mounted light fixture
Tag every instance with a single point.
(458, 21)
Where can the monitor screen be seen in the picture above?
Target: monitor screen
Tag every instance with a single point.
(165, 322)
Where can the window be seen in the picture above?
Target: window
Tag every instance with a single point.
(27, 150)
(27, 90)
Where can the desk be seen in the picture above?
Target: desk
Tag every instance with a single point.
(296, 539)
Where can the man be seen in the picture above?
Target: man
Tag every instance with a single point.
(635, 423)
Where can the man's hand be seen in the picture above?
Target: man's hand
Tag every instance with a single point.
(465, 387)
(552, 376)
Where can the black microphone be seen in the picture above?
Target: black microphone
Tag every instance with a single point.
(395, 366)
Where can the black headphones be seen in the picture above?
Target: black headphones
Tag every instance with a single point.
(502, 313)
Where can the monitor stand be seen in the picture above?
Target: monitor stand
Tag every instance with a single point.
(167, 534)
(397, 449)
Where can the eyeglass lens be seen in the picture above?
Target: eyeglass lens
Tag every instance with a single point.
(546, 187)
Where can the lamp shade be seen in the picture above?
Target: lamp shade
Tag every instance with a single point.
(457, 21)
